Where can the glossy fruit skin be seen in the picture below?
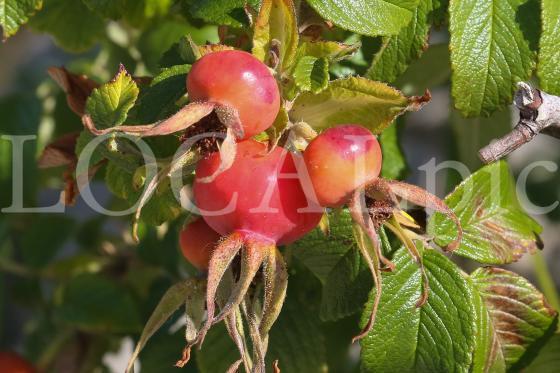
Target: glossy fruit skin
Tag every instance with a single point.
(197, 241)
(253, 173)
(12, 363)
(341, 159)
(238, 79)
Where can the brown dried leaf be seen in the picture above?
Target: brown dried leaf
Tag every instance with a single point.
(60, 152)
(77, 87)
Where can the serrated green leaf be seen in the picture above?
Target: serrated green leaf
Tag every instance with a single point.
(394, 163)
(14, 13)
(106, 8)
(437, 337)
(367, 17)
(93, 303)
(399, 50)
(109, 104)
(495, 228)
(158, 101)
(336, 261)
(352, 100)
(548, 359)
(517, 310)
(312, 74)
(489, 54)
(71, 23)
(548, 69)
(220, 12)
(276, 21)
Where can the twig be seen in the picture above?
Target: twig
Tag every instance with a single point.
(538, 112)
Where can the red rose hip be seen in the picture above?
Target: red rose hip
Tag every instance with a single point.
(237, 79)
(260, 200)
(341, 159)
(197, 241)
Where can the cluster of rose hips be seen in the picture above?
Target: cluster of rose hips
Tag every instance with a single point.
(256, 196)
(265, 197)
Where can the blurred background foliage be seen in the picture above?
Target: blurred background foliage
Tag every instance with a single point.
(75, 290)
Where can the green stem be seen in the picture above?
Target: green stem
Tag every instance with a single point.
(545, 280)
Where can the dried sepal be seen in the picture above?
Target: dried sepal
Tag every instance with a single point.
(394, 225)
(195, 309)
(423, 198)
(235, 366)
(220, 261)
(360, 215)
(253, 254)
(251, 313)
(234, 326)
(275, 273)
(183, 119)
(372, 260)
(229, 117)
(228, 150)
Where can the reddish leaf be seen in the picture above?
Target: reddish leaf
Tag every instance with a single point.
(77, 87)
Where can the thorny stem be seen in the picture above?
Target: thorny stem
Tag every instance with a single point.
(538, 112)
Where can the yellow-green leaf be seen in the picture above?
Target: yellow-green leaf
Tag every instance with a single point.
(109, 104)
(14, 13)
(276, 21)
(353, 100)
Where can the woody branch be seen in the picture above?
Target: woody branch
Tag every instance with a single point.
(538, 112)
